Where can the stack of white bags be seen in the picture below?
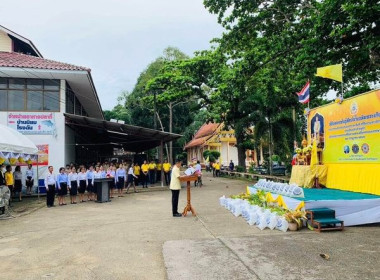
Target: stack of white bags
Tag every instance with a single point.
(254, 215)
(279, 188)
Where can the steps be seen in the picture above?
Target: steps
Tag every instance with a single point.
(323, 219)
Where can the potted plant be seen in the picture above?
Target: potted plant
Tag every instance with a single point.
(295, 218)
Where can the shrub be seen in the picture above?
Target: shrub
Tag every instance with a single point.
(240, 168)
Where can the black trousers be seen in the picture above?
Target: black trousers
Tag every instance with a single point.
(145, 179)
(175, 196)
(50, 195)
(167, 178)
(152, 176)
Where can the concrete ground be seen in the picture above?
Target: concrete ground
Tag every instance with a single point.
(135, 237)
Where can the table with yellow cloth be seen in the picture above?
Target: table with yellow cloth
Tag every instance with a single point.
(304, 175)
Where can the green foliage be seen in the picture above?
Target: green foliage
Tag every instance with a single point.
(240, 168)
(250, 77)
(212, 155)
(182, 156)
(215, 154)
(206, 154)
(275, 158)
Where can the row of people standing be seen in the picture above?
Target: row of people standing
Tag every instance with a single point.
(151, 172)
(74, 182)
(14, 179)
(81, 182)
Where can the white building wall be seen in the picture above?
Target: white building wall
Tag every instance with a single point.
(224, 153)
(56, 142)
(5, 42)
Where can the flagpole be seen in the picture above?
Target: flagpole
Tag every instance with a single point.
(342, 84)
(308, 103)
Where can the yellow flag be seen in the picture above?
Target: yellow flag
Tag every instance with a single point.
(333, 72)
(314, 153)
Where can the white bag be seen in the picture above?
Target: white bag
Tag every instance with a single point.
(282, 224)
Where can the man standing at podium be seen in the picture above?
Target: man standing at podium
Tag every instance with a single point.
(175, 186)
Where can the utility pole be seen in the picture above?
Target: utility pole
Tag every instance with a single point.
(170, 130)
(155, 111)
(155, 118)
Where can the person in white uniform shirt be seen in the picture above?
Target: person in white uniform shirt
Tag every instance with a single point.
(50, 187)
(82, 183)
(175, 186)
(98, 174)
(130, 178)
(73, 185)
(29, 179)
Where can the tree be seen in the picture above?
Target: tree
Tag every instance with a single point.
(274, 46)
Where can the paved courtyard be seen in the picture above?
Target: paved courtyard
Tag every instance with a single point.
(135, 237)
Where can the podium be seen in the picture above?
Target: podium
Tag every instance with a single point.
(102, 189)
(188, 179)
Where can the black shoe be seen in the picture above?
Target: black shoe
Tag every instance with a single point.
(177, 215)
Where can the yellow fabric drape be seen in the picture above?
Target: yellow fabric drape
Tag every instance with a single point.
(304, 175)
(314, 153)
(248, 192)
(363, 178)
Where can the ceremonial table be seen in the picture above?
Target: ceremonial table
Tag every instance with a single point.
(188, 179)
(305, 175)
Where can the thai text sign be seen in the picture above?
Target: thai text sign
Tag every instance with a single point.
(348, 132)
(32, 123)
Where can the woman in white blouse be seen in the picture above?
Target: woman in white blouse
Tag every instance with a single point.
(82, 183)
(130, 178)
(29, 179)
(73, 185)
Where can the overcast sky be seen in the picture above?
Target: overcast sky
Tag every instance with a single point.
(117, 39)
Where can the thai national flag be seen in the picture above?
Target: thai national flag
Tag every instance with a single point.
(294, 159)
(304, 94)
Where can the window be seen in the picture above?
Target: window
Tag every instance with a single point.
(73, 105)
(50, 101)
(16, 100)
(29, 95)
(17, 83)
(78, 107)
(3, 100)
(69, 100)
(34, 100)
(34, 84)
(3, 83)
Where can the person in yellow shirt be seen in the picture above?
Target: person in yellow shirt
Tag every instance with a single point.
(152, 172)
(136, 171)
(217, 169)
(145, 174)
(9, 181)
(158, 171)
(175, 187)
(167, 167)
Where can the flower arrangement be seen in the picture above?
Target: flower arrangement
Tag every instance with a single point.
(306, 112)
(298, 150)
(295, 216)
(339, 99)
(307, 149)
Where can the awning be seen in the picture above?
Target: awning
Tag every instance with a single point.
(13, 141)
(131, 138)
